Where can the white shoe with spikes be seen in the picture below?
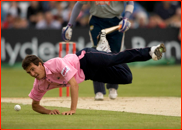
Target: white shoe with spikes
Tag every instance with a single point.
(103, 44)
(156, 51)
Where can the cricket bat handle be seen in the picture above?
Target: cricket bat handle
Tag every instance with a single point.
(111, 29)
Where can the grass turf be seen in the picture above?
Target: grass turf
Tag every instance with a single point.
(83, 119)
(147, 81)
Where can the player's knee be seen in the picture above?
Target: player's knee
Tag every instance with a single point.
(129, 78)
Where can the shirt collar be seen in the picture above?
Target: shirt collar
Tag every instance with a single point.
(47, 70)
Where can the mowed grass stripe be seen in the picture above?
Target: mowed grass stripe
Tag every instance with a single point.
(83, 119)
(155, 81)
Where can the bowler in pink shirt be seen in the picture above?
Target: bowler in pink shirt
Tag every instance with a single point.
(58, 71)
(87, 64)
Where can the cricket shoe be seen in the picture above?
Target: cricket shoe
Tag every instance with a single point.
(102, 44)
(113, 93)
(156, 51)
(99, 96)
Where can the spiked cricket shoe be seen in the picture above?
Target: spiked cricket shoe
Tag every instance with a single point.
(156, 51)
(103, 44)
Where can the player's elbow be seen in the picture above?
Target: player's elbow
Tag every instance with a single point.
(35, 105)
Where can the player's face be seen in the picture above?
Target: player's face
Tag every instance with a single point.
(37, 72)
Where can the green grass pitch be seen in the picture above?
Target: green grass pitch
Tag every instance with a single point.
(83, 119)
(156, 81)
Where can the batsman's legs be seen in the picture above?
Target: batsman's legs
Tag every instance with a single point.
(99, 87)
(112, 90)
(115, 45)
(116, 40)
(99, 90)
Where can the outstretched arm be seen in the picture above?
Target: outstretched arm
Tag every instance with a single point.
(74, 96)
(40, 109)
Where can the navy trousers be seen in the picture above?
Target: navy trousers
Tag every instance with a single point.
(111, 68)
(114, 39)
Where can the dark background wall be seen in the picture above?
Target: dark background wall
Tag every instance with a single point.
(16, 44)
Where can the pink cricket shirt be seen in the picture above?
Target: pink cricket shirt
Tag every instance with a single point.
(58, 72)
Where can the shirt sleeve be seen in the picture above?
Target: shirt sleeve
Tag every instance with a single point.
(66, 69)
(36, 94)
(75, 12)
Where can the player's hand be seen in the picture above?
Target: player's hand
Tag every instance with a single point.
(67, 33)
(54, 112)
(69, 112)
(125, 25)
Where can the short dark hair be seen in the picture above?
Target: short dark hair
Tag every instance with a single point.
(31, 59)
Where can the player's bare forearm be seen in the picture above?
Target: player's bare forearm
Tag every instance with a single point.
(40, 109)
(74, 96)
